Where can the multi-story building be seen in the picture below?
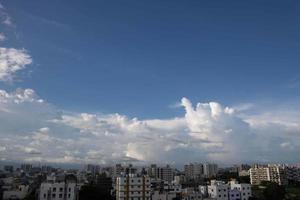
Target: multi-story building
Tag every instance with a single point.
(18, 193)
(133, 187)
(218, 190)
(210, 170)
(163, 195)
(244, 190)
(193, 170)
(165, 173)
(190, 194)
(152, 171)
(26, 167)
(117, 170)
(292, 174)
(54, 189)
(271, 173)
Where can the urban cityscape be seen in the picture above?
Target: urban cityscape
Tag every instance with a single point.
(196, 181)
(149, 100)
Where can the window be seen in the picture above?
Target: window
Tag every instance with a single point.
(60, 189)
(60, 195)
(54, 189)
(53, 195)
(45, 195)
(69, 189)
(69, 195)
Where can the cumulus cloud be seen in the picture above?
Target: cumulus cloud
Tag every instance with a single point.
(33, 130)
(11, 61)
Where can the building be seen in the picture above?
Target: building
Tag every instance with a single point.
(18, 193)
(58, 189)
(193, 170)
(165, 173)
(244, 190)
(190, 194)
(163, 195)
(26, 167)
(8, 168)
(210, 170)
(92, 169)
(292, 174)
(152, 171)
(118, 170)
(132, 187)
(271, 173)
(218, 190)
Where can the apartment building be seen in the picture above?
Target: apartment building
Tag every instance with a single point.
(271, 173)
(133, 187)
(59, 189)
(218, 190)
(210, 170)
(239, 189)
(193, 170)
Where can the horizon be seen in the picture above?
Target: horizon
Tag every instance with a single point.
(163, 82)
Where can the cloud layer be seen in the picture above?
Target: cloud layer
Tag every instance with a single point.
(34, 130)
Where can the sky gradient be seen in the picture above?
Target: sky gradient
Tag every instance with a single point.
(77, 64)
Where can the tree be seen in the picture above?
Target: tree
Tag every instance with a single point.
(273, 191)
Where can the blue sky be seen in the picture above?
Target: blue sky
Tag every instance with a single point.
(139, 57)
(91, 59)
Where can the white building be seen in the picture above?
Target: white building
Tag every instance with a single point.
(218, 190)
(132, 187)
(59, 190)
(271, 173)
(243, 188)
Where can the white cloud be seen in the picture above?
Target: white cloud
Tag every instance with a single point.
(11, 61)
(4, 17)
(2, 37)
(33, 130)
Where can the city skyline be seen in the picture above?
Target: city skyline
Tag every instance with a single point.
(149, 82)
